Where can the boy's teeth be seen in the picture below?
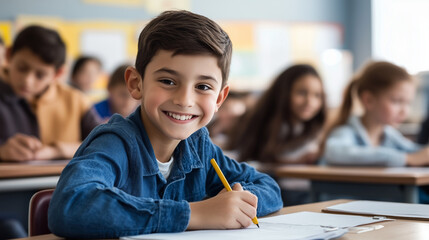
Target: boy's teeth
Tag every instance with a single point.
(179, 117)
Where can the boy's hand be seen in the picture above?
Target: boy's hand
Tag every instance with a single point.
(48, 152)
(227, 210)
(20, 147)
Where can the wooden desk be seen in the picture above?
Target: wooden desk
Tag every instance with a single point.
(363, 182)
(32, 169)
(393, 230)
(19, 181)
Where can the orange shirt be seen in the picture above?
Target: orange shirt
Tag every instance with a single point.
(59, 112)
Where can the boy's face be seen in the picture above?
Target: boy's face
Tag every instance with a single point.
(179, 94)
(121, 100)
(29, 76)
(2, 55)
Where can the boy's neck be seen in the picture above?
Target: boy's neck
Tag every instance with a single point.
(163, 152)
(162, 147)
(373, 128)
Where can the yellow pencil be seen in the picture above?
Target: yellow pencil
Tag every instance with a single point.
(226, 184)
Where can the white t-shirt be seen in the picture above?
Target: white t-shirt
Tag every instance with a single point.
(165, 168)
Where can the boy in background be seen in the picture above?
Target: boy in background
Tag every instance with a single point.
(39, 117)
(2, 57)
(119, 100)
(151, 172)
(2, 52)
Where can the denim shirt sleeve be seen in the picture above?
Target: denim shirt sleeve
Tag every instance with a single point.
(342, 148)
(88, 201)
(260, 184)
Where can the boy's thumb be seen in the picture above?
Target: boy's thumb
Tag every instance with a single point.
(237, 187)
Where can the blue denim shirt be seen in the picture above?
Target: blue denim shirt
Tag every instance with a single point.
(350, 145)
(113, 187)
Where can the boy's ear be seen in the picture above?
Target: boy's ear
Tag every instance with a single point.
(59, 73)
(221, 97)
(8, 54)
(134, 82)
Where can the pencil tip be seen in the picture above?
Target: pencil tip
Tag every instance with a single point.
(257, 225)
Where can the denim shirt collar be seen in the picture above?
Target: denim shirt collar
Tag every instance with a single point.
(186, 157)
(356, 123)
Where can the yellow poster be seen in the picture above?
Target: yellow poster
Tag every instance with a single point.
(6, 32)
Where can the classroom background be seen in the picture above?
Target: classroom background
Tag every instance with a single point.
(336, 36)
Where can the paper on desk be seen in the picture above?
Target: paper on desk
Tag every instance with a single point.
(393, 209)
(301, 225)
(322, 219)
(267, 231)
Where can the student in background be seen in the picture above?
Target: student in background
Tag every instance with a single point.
(225, 119)
(286, 122)
(151, 172)
(86, 70)
(119, 101)
(2, 52)
(2, 58)
(39, 117)
(423, 137)
(385, 92)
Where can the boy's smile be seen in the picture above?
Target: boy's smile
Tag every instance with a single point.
(179, 95)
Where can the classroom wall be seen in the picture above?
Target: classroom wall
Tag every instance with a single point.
(353, 15)
(359, 31)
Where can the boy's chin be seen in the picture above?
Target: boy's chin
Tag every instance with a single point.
(182, 136)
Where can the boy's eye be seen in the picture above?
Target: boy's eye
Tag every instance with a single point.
(40, 75)
(166, 81)
(203, 87)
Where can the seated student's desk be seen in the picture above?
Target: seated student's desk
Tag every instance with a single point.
(392, 230)
(19, 181)
(389, 184)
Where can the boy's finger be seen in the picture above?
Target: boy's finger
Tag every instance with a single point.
(248, 210)
(244, 220)
(29, 142)
(21, 153)
(237, 187)
(250, 198)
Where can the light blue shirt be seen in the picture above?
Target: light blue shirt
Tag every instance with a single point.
(350, 145)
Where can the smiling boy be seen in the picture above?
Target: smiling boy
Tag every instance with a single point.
(151, 172)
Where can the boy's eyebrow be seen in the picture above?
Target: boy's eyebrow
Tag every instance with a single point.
(175, 73)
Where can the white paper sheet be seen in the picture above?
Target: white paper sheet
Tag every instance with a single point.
(322, 219)
(392, 209)
(267, 231)
(301, 225)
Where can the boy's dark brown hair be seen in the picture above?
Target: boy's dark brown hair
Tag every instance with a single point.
(117, 78)
(258, 136)
(45, 43)
(184, 32)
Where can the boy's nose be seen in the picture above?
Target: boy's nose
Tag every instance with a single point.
(184, 98)
(29, 80)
